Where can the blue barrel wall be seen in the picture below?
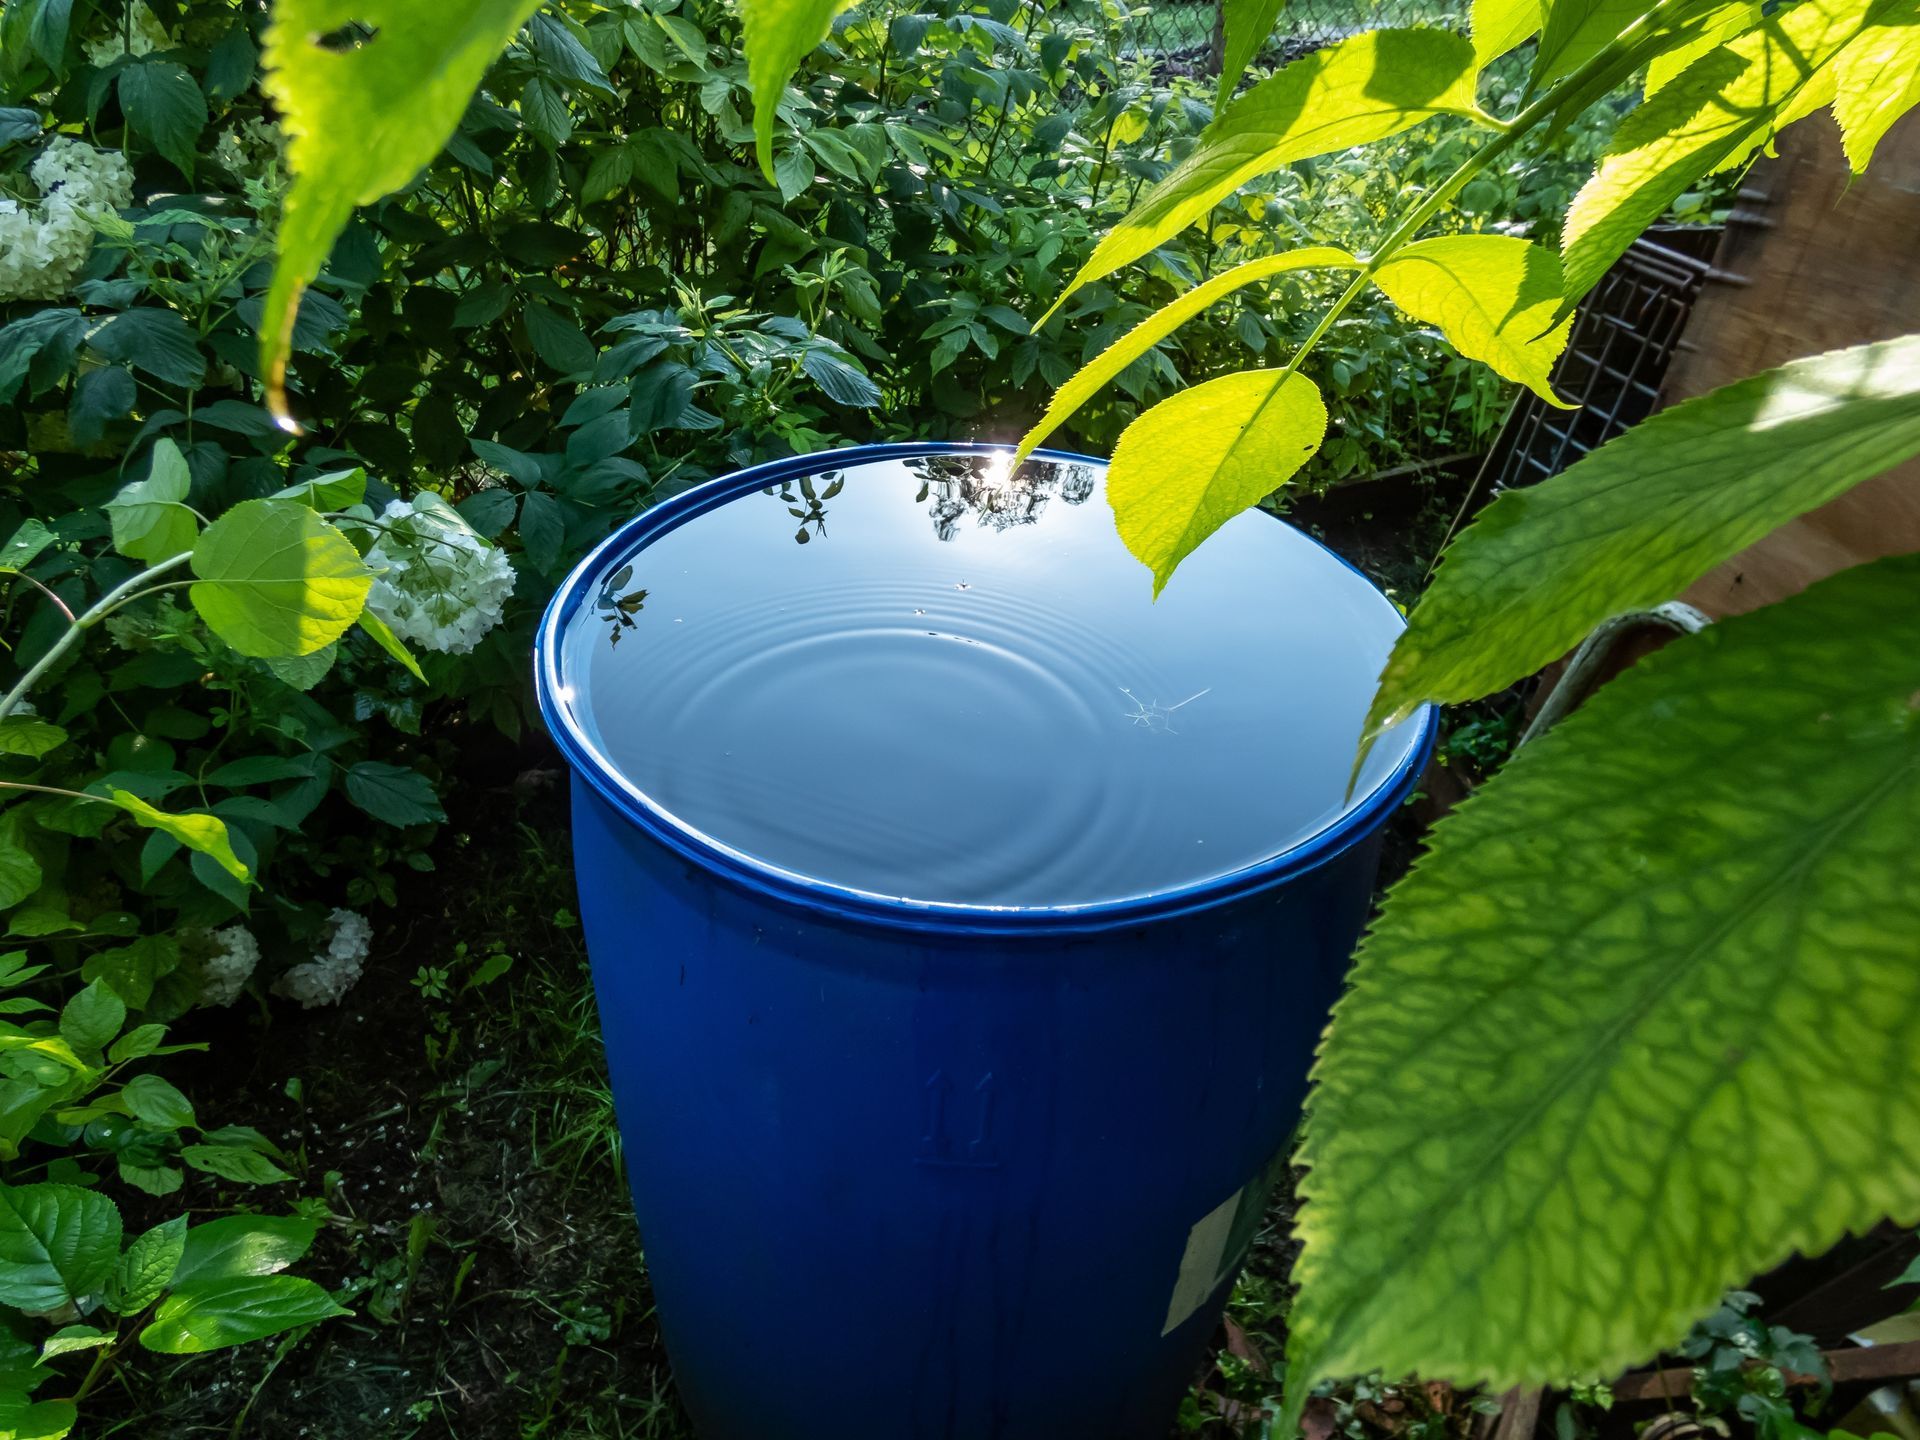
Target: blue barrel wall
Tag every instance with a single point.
(921, 1171)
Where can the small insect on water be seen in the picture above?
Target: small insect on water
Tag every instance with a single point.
(1152, 715)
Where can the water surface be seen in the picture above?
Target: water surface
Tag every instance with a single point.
(922, 678)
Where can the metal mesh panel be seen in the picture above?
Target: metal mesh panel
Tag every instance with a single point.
(1613, 364)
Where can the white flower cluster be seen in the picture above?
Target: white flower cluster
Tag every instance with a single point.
(143, 35)
(229, 968)
(43, 246)
(335, 970)
(253, 150)
(443, 586)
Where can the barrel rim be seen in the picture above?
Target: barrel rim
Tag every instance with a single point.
(841, 902)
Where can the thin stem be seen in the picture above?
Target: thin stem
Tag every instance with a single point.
(51, 595)
(101, 1355)
(54, 790)
(101, 609)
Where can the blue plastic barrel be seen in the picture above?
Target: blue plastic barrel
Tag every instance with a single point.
(962, 921)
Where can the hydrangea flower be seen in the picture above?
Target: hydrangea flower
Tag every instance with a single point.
(443, 586)
(143, 35)
(229, 968)
(336, 969)
(44, 245)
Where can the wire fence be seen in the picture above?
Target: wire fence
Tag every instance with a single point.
(1125, 80)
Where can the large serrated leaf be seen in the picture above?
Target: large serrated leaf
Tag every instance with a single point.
(1877, 80)
(147, 1267)
(57, 1243)
(1644, 1020)
(1716, 28)
(1193, 462)
(1086, 382)
(276, 579)
(1363, 89)
(1641, 518)
(1499, 25)
(777, 35)
(1716, 113)
(1572, 32)
(368, 93)
(1493, 296)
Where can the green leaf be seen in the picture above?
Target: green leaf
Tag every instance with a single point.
(842, 382)
(154, 340)
(1193, 462)
(1247, 24)
(1493, 296)
(1643, 1021)
(212, 1316)
(338, 491)
(137, 1043)
(1087, 381)
(384, 637)
(1572, 32)
(70, 1338)
(163, 103)
(362, 119)
(157, 1103)
(1363, 89)
(276, 579)
(1499, 25)
(150, 521)
(99, 397)
(148, 1267)
(303, 672)
(22, 1418)
(1714, 115)
(240, 1245)
(231, 1162)
(559, 342)
(25, 545)
(609, 175)
(1716, 28)
(57, 1244)
(133, 970)
(542, 529)
(20, 874)
(545, 111)
(1877, 80)
(30, 736)
(1641, 518)
(393, 793)
(92, 1018)
(204, 833)
(778, 34)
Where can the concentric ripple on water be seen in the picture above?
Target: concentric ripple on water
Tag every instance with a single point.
(922, 678)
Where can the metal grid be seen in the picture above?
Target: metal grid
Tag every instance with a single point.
(1614, 362)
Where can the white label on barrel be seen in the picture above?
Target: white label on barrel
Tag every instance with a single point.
(1217, 1244)
(1206, 1257)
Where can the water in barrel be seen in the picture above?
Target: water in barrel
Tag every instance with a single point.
(935, 679)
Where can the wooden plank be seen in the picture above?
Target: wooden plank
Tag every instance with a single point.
(1872, 1363)
(1813, 260)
